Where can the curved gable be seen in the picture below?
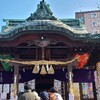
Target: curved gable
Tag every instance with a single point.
(46, 25)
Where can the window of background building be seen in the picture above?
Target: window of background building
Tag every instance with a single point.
(95, 31)
(93, 15)
(94, 23)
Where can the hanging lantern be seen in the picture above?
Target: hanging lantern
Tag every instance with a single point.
(51, 70)
(43, 70)
(36, 69)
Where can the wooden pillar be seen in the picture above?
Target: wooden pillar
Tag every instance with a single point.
(70, 78)
(16, 75)
(70, 81)
(16, 79)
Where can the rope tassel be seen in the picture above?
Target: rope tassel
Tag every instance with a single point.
(51, 70)
(43, 70)
(36, 69)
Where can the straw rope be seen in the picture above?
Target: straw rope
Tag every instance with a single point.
(40, 62)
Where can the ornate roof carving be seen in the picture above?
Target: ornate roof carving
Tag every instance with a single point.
(52, 25)
(43, 20)
(42, 12)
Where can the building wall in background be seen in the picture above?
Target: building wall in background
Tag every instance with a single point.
(91, 20)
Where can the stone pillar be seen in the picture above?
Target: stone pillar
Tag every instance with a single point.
(98, 80)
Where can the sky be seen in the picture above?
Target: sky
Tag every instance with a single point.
(21, 9)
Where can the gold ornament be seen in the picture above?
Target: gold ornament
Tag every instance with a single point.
(98, 72)
(71, 88)
(98, 68)
(15, 90)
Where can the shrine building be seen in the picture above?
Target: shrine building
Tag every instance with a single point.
(46, 51)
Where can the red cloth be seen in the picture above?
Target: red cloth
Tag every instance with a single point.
(82, 60)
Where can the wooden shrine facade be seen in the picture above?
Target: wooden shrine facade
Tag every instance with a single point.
(44, 37)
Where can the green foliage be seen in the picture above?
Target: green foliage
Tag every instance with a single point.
(5, 64)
